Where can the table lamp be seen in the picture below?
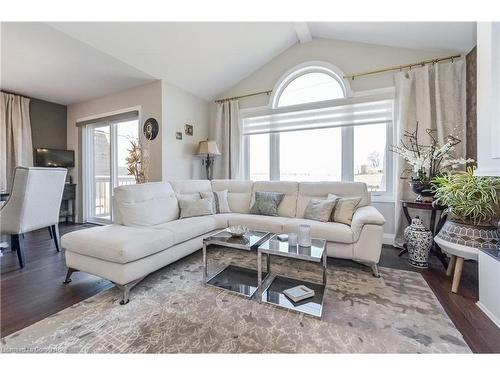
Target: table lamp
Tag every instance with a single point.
(208, 150)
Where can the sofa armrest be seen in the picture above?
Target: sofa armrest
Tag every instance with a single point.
(365, 215)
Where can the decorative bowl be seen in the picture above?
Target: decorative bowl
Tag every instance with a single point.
(237, 230)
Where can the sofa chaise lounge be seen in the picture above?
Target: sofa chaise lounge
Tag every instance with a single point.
(147, 233)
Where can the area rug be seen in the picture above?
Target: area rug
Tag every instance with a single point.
(171, 311)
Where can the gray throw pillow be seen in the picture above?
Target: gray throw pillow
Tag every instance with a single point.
(195, 207)
(219, 201)
(319, 209)
(266, 203)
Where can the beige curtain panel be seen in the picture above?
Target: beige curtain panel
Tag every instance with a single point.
(16, 147)
(433, 95)
(227, 134)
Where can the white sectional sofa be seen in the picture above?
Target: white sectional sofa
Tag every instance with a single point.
(147, 233)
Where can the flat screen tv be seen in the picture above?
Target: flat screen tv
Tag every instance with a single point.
(49, 157)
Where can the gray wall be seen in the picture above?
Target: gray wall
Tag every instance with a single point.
(48, 124)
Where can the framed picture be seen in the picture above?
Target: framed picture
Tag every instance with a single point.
(188, 129)
(150, 129)
(178, 135)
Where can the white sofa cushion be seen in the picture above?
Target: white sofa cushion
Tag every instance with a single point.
(288, 205)
(335, 232)
(185, 229)
(118, 243)
(190, 188)
(239, 193)
(308, 190)
(145, 204)
(258, 222)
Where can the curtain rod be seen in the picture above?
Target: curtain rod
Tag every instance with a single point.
(401, 67)
(15, 93)
(243, 96)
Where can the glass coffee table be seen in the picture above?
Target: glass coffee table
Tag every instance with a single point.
(241, 280)
(273, 294)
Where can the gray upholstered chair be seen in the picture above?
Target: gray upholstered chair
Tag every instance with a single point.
(34, 203)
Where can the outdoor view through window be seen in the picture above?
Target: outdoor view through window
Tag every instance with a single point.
(318, 153)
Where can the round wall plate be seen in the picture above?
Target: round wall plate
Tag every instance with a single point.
(150, 129)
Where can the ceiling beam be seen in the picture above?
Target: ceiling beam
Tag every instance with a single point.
(303, 32)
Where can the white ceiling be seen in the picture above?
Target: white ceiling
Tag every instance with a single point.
(458, 36)
(41, 62)
(202, 58)
(76, 61)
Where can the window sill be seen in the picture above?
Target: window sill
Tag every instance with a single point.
(383, 199)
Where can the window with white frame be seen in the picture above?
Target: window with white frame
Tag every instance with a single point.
(315, 132)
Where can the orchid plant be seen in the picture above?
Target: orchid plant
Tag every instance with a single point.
(431, 160)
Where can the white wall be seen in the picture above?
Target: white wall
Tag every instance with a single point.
(488, 97)
(350, 58)
(180, 108)
(147, 97)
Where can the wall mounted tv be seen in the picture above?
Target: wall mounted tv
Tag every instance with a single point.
(49, 157)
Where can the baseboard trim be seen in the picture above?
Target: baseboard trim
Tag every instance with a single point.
(388, 238)
(488, 313)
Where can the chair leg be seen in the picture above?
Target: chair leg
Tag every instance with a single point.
(55, 231)
(458, 274)
(67, 280)
(451, 265)
(18, 244)
(50, 232)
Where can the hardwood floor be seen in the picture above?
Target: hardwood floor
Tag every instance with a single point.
(35, 292)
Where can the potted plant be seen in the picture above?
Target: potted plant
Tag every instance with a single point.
(137, 162)
(427, 160)
(472, 208)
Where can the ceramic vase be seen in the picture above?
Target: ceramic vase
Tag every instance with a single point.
(418, 240)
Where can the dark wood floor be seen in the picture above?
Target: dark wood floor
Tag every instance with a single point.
(36, 292)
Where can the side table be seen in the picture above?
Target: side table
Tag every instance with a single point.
(434, 227)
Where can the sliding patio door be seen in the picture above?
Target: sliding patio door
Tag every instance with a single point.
(107, 145)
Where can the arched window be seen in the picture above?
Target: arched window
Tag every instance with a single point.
(313, 82)
(315, 129)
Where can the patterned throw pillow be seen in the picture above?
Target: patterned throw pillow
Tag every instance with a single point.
(195, 207)
(219, 201)
(344, 210)
(320, 209)
(266, 203)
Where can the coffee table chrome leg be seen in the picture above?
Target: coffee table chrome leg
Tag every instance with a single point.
(259, 275)
(205, 265)
(268, 264)
(324, 268)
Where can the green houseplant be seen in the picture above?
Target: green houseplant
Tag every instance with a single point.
(470, 199)
(472, 207)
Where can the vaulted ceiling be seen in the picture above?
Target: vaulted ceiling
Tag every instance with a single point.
(77, 61)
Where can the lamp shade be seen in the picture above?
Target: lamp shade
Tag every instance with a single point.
(208, 148)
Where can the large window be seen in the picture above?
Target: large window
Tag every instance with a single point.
(314, 132)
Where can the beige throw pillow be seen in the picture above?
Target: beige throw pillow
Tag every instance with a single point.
(344, 209)
(319, 209)
(219, 199)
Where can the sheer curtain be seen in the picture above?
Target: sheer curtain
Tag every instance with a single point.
(227, 134)
(433, 95)
(16, 148)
